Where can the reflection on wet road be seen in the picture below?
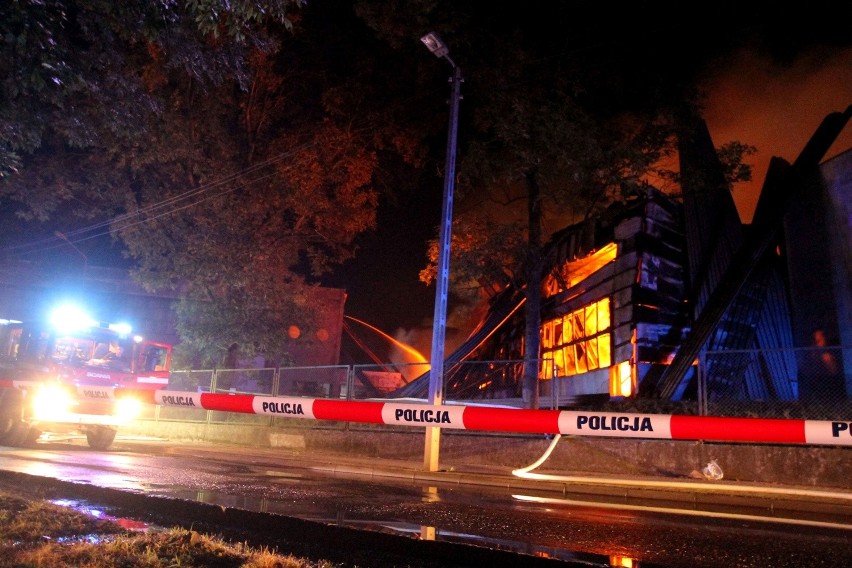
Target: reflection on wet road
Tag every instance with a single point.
(547, 525)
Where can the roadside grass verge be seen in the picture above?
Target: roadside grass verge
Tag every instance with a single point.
(40, 534)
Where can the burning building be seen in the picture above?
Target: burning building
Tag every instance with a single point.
(633, 298)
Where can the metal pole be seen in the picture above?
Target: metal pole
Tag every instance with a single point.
(439, 326)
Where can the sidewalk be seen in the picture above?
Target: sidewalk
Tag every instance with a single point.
(783, 477)
(665, 493)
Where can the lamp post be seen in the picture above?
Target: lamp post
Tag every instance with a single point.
(439, 327)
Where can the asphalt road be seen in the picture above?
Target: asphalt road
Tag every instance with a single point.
(347, 511)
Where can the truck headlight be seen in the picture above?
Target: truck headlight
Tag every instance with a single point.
(51, 400)
(127, 408)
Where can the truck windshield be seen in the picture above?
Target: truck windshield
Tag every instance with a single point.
(72, 350)
(113, 354)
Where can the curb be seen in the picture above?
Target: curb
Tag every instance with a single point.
(790, 503)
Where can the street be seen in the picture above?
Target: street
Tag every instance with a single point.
(573, 528)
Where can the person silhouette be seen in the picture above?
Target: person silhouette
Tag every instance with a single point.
(822, 373)
(114, 358)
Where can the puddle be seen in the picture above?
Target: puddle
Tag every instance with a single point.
(327, 516)
(307, 506)
(99, 513)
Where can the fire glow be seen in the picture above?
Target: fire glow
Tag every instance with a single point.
(412, 354)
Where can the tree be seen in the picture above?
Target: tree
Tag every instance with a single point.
(241, 255)
(176, 123)
(76, 70)
(563, 170)
(557, 124)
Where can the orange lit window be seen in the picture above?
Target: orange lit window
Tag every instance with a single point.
(621, 379)
(573, 272)
(577, 342)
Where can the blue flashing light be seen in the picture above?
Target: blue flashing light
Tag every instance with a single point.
(122, 329)
(68, 318)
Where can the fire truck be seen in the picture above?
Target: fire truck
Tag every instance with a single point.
(60, 376)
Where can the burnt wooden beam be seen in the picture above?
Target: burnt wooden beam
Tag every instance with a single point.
(777, 195)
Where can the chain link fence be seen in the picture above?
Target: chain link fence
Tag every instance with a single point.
(806, 383)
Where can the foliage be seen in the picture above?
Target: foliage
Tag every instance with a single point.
(74, 71)
(551, 140)
(484, 252)
(240, 255)
(225, 179)
(240, 149)
(238, 19)
(734, 167)
(86, 93)
(579, 164)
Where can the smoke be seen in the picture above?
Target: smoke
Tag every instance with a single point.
(460, 323)
(776, 108)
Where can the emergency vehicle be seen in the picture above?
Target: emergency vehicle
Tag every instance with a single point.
(60, 376)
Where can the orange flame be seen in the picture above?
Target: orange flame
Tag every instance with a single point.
(416, 356)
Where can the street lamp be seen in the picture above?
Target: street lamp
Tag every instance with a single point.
(439, 327)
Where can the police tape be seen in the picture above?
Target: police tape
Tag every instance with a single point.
(509, 420)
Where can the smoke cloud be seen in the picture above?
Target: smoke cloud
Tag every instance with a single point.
(776, 108)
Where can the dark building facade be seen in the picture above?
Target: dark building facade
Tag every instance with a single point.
(635, 298)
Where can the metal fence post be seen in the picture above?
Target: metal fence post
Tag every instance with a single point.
(276, 381)
(554, 387)
(350, 382)
(702, 385)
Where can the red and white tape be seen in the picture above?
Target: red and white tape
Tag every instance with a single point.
(496, 419)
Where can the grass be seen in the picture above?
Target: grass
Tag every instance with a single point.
(39, 534)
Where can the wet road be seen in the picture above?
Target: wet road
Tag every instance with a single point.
(542, 524)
